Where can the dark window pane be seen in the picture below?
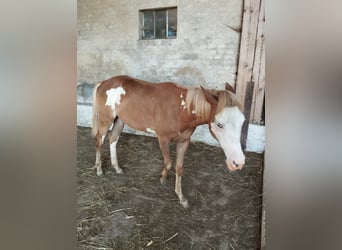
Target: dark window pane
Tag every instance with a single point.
(172, 23)
(148, 28)
(157, 24)
(161, 24)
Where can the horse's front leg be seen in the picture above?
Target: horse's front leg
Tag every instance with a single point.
(181, 149)
(164, 147)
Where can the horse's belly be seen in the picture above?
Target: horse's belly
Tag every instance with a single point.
(149, 115)
(137, 119)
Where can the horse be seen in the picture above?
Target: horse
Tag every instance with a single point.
(171, 112)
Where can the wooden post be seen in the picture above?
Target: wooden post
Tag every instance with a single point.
(250, 82)
(247, 112)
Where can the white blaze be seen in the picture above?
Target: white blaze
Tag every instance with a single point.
(114, 97)
(227, 128)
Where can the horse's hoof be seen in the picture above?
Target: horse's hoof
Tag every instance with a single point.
(163, 181)
(119, 171)
(99, 173)
(185, 203)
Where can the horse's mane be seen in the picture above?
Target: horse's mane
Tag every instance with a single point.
(197, 104)
(228, 99)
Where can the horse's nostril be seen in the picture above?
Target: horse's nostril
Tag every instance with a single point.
(235, 164)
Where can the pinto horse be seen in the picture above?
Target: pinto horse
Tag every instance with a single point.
(171, 112)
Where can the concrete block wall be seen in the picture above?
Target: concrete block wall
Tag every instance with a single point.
(205, 51)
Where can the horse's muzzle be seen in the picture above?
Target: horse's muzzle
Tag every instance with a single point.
(233, 166)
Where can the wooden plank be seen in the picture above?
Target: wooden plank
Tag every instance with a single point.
(258, 74)
(260, 92)
(263, 217)
(240, 88)
(247, 46)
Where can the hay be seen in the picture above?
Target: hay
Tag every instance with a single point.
(133, 211)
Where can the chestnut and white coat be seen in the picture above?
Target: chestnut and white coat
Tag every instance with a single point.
(171, 112)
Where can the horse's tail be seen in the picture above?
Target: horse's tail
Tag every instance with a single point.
(95, 116)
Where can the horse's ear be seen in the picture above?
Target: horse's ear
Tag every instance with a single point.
(209, 96)
(229, 87)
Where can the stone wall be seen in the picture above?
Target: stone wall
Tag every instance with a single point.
(205, 51)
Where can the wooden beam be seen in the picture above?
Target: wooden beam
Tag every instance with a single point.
(247, 46)
(258, 74)
(247, 112)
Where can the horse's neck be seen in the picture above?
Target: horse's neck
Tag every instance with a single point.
(206, 119)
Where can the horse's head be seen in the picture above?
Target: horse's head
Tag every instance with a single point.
(225, 124)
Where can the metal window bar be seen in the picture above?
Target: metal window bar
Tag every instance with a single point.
(167, 23)
(154, 24)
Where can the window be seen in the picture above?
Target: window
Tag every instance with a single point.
(159, 24)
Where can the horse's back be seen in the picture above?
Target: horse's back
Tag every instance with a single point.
(144, 104)
(140, 90)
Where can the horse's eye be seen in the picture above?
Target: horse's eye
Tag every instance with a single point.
(219, 125)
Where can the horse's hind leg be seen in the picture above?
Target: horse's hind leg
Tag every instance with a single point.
(113, 140)
(164, 147)
(100, 136)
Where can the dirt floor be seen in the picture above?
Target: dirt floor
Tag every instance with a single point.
(134, 211)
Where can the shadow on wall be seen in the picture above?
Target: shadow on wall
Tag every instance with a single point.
(190, 75)
(149, 75)
(187, 75)
(85, 92)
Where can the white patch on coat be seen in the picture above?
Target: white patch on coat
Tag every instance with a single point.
(193, 112)
(114, 97)
(148, 130)
(183, 104)
(231, 120)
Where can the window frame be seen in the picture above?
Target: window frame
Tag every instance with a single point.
(142, 24)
